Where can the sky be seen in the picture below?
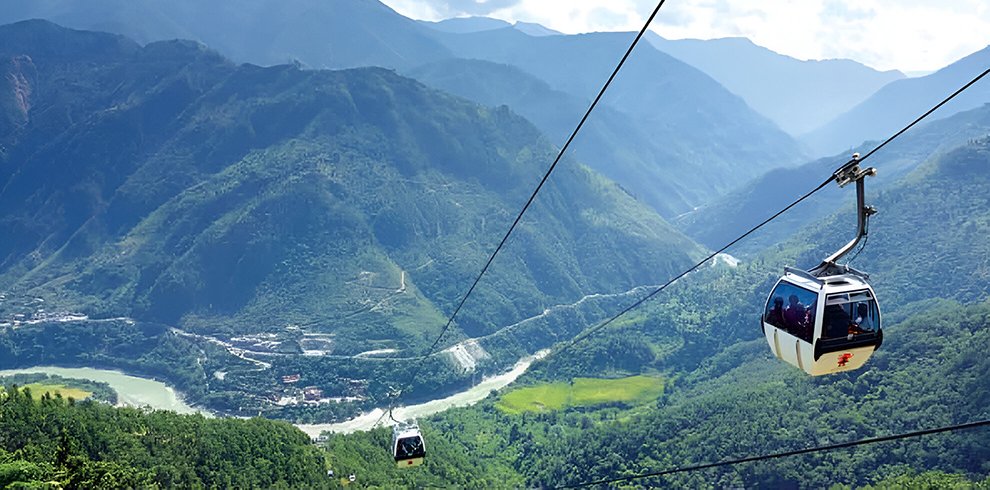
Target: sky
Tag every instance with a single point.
(913, 36)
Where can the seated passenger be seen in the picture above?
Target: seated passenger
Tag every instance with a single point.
(776, 315)
(794, 315)
(411, 447)
(809, 322)
(836, 322)
(863, 322)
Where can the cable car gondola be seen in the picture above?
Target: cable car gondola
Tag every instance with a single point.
(826, 320)
(408, 446)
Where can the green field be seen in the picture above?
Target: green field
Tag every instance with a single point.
(39, 389)
(581, 392)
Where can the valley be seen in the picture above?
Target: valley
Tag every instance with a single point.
(266, 355)
(138, 392)
(274, 225)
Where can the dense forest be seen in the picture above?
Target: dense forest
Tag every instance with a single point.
(729, 409)
(54, 442)
(727, 398)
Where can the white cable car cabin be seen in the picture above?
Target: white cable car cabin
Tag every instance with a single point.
(822, 325)
(826, 320)
(408, 446)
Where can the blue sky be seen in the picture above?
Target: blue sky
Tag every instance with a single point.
(908, 35)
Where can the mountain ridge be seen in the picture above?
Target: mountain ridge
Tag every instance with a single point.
(316, 33)
(717, 140)
(903, 100)
(797, 95)
(230, 200)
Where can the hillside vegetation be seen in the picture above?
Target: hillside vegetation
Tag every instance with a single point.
(729, 398)
(740, 403)
(56, 442)
(714, 225)
(202, 201)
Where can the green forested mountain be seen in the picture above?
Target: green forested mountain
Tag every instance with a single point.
(245, 232)
(318, 33)
(927, 373)
(611, 142)
(714, 225)
(726, 396)
(702, 137)
(167, 185)
(922, 245)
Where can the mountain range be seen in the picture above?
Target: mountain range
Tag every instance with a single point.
(929, 267)
(316, 33)
(901, 101)
(166, 184)
(672, 159)
(716, 224)
(260, 235)
(700, 152)
(798, 95)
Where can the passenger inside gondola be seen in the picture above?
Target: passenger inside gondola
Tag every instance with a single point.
(776, 315)
(809, 321)
(837, 321)
(411, 447)
(794, 315)
(863, 322)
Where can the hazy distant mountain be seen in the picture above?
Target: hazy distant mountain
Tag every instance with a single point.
(461, 25)
(318, 33)
(534, 29)
(709, 136)
(725, 219)
(797, 95)
(900, 102)
(167, 184)
(465, 25)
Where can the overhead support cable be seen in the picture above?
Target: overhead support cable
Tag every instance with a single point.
(532, 197)
(855, 160)
(785, 454)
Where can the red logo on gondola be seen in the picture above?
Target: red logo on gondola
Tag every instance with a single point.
(844, 359)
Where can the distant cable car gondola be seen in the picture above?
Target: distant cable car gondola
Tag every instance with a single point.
(408, 446)
(826, 320)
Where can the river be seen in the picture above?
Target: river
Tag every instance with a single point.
(139, 392)
(131, 390)
(470, 396)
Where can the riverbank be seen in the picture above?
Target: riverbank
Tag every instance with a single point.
(131, 390)
(476, 393)
(140, 392)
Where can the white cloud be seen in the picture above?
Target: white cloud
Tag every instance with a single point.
(884, 34)
(909, 35)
